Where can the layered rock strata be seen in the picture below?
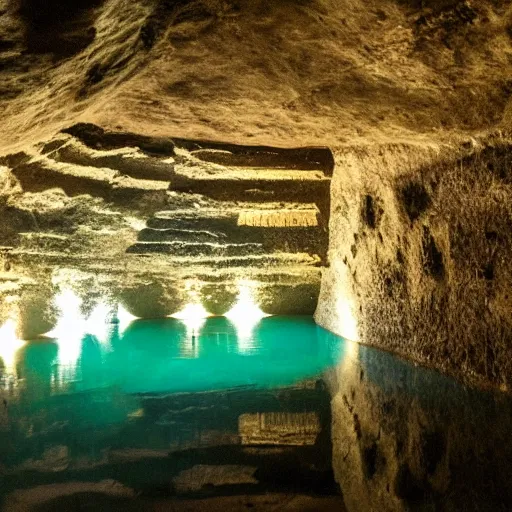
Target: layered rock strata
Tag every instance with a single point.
(155, 224)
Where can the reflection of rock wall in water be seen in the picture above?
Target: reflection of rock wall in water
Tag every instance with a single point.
(279, 428)
(410, 439)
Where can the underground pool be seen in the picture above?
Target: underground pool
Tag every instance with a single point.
(214, 414)
(171, 406)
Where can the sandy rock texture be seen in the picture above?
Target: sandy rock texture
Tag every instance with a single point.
(158, 224)
(285, 73)
(419, 255)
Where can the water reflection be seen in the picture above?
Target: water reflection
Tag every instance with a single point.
(151, 389)
(278, 351)
(410, 438)
(9, 348)
(403, 437)
(245, 315)
(289, 428)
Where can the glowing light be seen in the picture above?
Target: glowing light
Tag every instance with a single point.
(192, 312)
(245, 307)
(193, 316)
(245, 315)
(124, 318)
(70, 318)
(351, 350)
(68, 333)
(71, 328)
(9, 346)
(347, 321)
(97, 323)
(73, 324)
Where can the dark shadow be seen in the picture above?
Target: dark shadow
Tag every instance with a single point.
(58, 27)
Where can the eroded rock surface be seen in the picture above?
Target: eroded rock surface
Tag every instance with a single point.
(419, 255)
(255, 71)
(156, 224)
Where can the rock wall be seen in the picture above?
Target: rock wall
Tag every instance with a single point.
(420, 255)
(158, 224)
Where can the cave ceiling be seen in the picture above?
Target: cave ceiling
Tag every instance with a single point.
(287, 73)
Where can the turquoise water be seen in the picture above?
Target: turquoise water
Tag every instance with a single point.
(81, 396)
(146, 405)
(167, 356)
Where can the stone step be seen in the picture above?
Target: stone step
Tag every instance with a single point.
(255, 216)
(256, 190)
(133, 162)
(310, 240)
(128, 161)
(36, 175)
(179, 248)
(277, 262)
(233, 155)
(211, 173)
(234, 234)
(98, 138)
(41, 174)
(183, 235)
(278, 268)
(287, 230)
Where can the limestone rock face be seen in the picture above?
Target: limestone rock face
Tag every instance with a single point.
(420, 255)
(158, 225)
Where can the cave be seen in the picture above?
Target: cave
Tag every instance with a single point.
(256, 255)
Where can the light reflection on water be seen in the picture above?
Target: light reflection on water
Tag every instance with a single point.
(78, 394)
(166, 355)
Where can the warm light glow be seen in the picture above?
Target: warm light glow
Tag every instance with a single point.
(194, 310)
(352, 351)
(71, 328)
(124, 318)
(9, 346)
(245, 309)
(245, 315)
(70, 318)
(68, 333)
(98, 322)
(193, 316)
(73, 324)
(346, 319)
(194, 313)
(191, 313)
